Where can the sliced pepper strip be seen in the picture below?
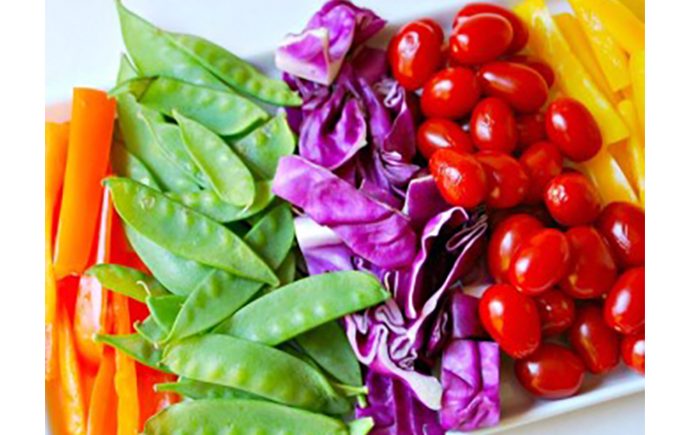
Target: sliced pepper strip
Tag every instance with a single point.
(151, 401)
(609, 54)
(636, 66)
(91, 130)
(548, 43)
(102, 415)
(636, 7)
(619, 21)
(72, 398)
(635, 154)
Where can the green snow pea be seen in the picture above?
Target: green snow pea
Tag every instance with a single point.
(192, 389)
(222, 293)
(184, 231)
(179, 275)
(361, 426)
(169, 139)
(127, 281)
(287, 269)
(240, 417)
(226, 173)
(328, 346)
(150, 330)
(223, 111)
(255, 368)
(208, 203)
(135, 346)
(126, 70)
(264, 146)
(139, 142)
(135, 86)
(155, 55)
(126, 164)
(239, 74)
(305, 304)
(164, 309)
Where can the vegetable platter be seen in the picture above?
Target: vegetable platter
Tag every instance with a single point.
(429, 226)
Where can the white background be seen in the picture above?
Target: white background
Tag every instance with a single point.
(83, 43)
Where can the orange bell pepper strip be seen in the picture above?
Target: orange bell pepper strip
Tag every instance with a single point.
(610, 55)
(73, 412)
(636, 7)
(102, 415)
(57, 137)
(125, 373)
(577, 40)
(548, 43)
(636, 66)
(619, 21)
(91, 130)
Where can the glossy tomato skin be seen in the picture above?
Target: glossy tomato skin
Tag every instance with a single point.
(520, 33)
(511, 319)
(624, 305)
(573, 129)
(572, 199)
(437, 133)
(596, 343)
(542, 161)
(450, 93)
(632, 351)
(540, 262)
(556, 311)
(509, 234)
(414, 53)
(479, 39)
(459, 177)
(551, 372)
(622, 224)
(506, 179)
(519, 85)
(493, 126)
(592, 269)
(543, 68)
(530, 129)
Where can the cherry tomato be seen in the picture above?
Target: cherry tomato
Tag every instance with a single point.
(540, 262)
(572, 128)
(543, 68)
(493, 126)
(509, 234)
(632, 351)
(511, 319)
(437, 133)
(556, 311)
(459, 177)
(542, 161)
(506, 180)
(414, 53)
(551, 372)
(450, 93)
(572, 199)
(520, 34)
(622, 224)
(593, 340)
(519, 85)
(530, 129)
(592, 270)
(624, 305)
(479, 39)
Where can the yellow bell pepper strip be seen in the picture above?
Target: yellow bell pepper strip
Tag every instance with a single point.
(57, 137)
(608, 178)
(572, 30)
(636, 66)
(72, 398)
(549, 44)
(625, 28)
(636, 7)
(609, 54)
(102, 414)
(91, 130)
(635, 148)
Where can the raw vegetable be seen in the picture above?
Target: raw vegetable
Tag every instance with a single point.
(102, 411)
(552, 372)
(72, 405)
(128, 281)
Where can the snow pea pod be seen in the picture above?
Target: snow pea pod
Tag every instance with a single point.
(264, 146)
(192, 389)
(135, 86)
(184, 231)
(126, 164)
(126, 70)
(287, 269)
(139, 142)
(226, 173)
(179, 275)
(208, 203)
(164, 309)
(328, 346)
(155, 55)
(305, 304)
(127, 281)
(222, 293)
(223, 111)
(237, 73)
(240, 417)
(150, 330)
(255, 368)
(135, 346)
